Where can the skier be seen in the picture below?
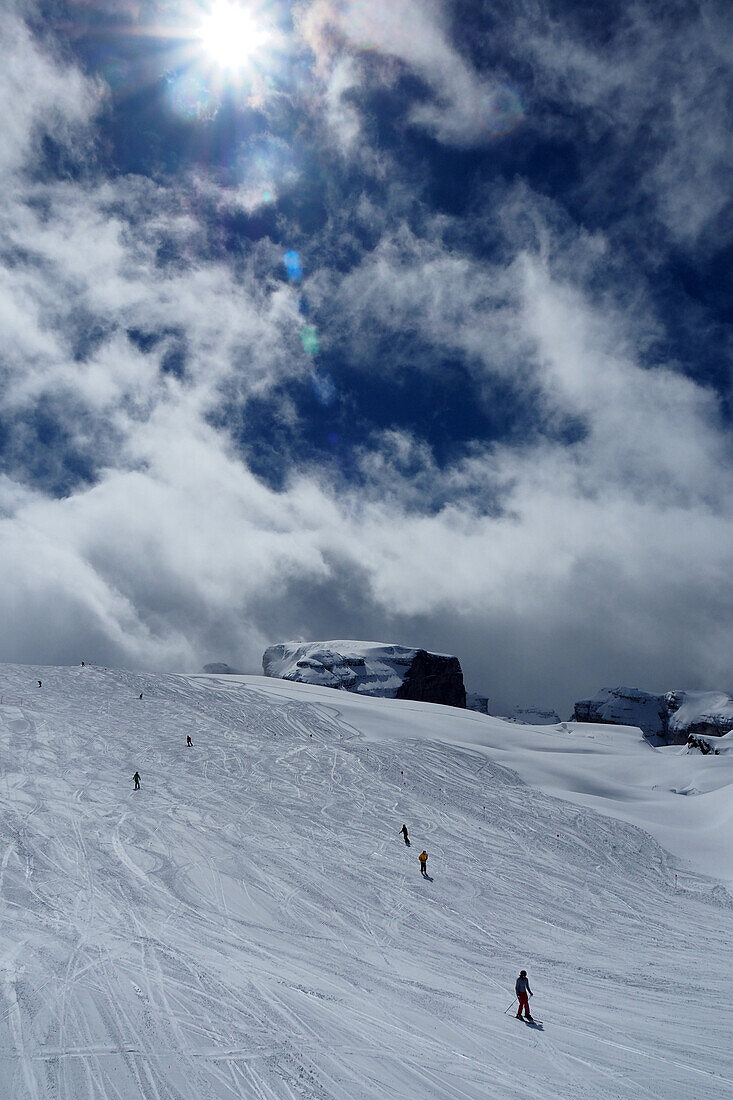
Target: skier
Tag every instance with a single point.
(188, 739)
(522, 990)
(40, 684)
(403, 830)
(141, 695)
(423, 857)
(136, 778)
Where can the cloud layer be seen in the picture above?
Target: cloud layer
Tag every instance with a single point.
(589, 544)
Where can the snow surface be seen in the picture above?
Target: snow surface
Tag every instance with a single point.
(250, 923)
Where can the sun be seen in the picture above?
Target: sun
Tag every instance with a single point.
(231, 34)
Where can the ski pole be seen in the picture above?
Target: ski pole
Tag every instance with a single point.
(509, 1006)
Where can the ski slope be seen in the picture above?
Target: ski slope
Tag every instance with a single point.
(250, 923)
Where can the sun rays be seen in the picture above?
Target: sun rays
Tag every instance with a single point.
(232, 34)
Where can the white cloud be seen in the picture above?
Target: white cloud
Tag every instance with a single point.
(549, 566)
(464, 109)
(178, 554)
(38, 95)
(342, 116)
(656, 92)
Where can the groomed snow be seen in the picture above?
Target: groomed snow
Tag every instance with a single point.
(250, 923)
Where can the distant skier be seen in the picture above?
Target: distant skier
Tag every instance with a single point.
(189, 742)
(136, 779)
(423, 857)
(40, 684)
(82, 664)
(523, 992)
(141, 695)
(403, 830)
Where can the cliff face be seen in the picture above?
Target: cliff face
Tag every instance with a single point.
(672, 717)
(370, 668)
(535, 716)
(698, 714)
(434, 678)
(625, 706)
(477, 702)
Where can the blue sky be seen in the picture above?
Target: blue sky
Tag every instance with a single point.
(391, 319)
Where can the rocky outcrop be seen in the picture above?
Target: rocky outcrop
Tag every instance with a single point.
(219, 668)
(671, 718)
(698, 714)
(625, 706)
(476, 702)
(701, 745)
(534, 716)
(370, 668)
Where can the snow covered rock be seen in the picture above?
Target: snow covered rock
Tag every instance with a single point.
(698, 714)
(220, 668)
(370, 668)
(625, 706)
(476, 702)
(672, 717)
(701, 745)
(534, 716)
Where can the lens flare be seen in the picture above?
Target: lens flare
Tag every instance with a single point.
(324, 389)
(505, 110)
(267, 167)
(188, 95)
(293, 266)
(309, 340)
(116, 73)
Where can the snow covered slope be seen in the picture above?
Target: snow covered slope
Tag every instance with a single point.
(250, 923)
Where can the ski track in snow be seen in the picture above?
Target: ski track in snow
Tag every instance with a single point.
(251, 924)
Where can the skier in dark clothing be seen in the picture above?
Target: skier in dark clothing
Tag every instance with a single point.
(136, 778)
(141, 695)
(523, 992)
(403, 830)
(40, 684)
(188, 740)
